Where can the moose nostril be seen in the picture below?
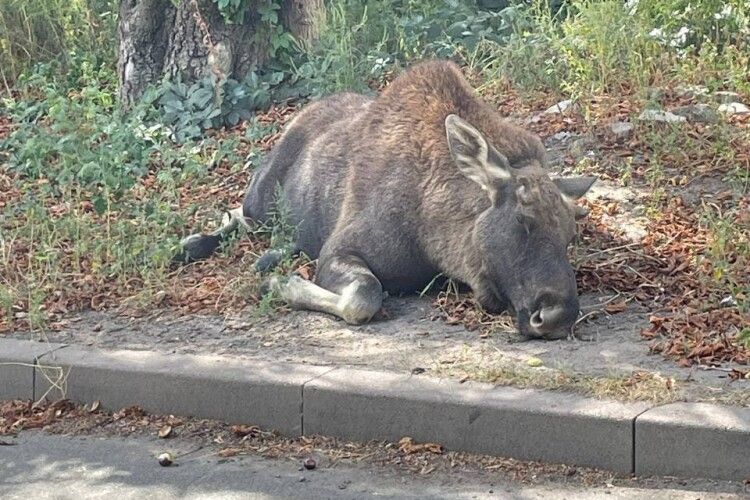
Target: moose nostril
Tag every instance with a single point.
(547, 318)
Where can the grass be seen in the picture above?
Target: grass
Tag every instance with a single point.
(638, 386)
(59, 31)
(648, 386)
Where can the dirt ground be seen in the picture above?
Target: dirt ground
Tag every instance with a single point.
(610, 350)
(409, 341)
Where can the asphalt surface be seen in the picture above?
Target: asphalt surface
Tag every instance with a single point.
(38, 465)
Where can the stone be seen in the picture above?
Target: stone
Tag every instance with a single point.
(17, 359)
(693, 440)
(480, 418)
(655, 94)
(692, 91)
(560, 107)
(700, 113)
(657, 115)
(231, 390)
(621, 130)
(734, 108)
(726, 97)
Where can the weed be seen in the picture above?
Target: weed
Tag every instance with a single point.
(59, 32)
(638, 386)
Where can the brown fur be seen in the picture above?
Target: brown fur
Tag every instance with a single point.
(375, 191)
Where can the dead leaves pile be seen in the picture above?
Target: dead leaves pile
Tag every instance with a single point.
(460, 309)
(16, 415)
(227, 441)
(407, 446)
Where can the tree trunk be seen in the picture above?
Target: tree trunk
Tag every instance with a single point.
(191, 40)
(143, 32)
(301, 18)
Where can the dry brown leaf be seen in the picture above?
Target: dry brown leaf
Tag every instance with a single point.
(229, 452)
(616, 307)
(244, 430)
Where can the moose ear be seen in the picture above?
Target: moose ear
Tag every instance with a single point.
(574, 187)
(474, 156)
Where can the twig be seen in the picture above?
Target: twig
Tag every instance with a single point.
(608, 250)
(590, 313)
(611, 299)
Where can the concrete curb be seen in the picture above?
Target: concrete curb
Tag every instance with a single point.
(682, 439)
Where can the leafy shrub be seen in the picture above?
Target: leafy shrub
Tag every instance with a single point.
(188, 110)
(360, 42)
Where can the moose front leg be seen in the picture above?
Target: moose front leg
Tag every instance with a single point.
(344, 286)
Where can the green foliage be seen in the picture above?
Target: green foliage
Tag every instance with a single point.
(744, 337)
(270, 29)
(79, 163)
(74, 136)
(686, 25)
(233, 10)
(599, 45)
(188, 110)
(360, 42)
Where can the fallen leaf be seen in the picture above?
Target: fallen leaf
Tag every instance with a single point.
(244, 430)
(407, 446)
(165, 431)
(228, 452)
(616, 307)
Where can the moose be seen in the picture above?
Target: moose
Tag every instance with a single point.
(424, 179)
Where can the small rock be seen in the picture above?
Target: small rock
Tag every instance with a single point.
(726, 97)
(702, 113)
(534, 362)
(621, 129)
(562, 136)
(656, 115)
(734, 108)
(582, 146)
(691, 91)
(560, 107)
(728, 301)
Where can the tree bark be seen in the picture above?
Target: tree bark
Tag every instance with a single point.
(143, 31)
(190, 40)
(301, 18)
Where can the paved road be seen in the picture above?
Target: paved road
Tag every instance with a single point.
(44, 466)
